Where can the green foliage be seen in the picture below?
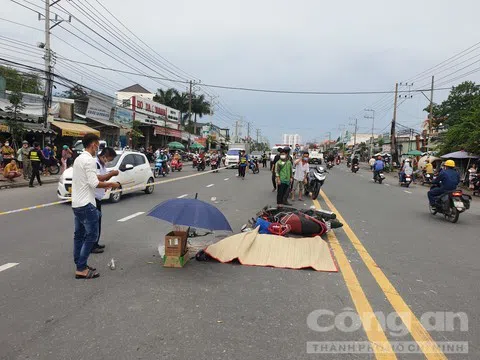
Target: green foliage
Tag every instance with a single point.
(135, 133)
(20, 82)
(76, 92)
(460, 114)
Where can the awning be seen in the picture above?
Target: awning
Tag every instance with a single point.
(38, 128)
(72, 129)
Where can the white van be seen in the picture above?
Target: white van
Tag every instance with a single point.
(232, 157)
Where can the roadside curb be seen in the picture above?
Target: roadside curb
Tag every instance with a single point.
(7, 185)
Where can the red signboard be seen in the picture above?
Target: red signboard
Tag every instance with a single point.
(160, 130)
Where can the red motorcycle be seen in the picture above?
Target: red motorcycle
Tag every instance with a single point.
(176, 165)
(195, 161)
(214, 165)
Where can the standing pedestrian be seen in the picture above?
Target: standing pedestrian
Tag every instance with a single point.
(242, 164)
(27, 164)
(300, 178)
(66, 155)
(84, 208)
(290, 159)
(272, 169)
(7, 153)
(19, 158)
(47, 153)
(283, 174)
(107, 155)
(264, 160)
(36, 159)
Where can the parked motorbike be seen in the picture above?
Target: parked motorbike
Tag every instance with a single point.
(54, 166)
(214, 165)
(355, 168)
(253, 165)
(315, 179)
(160, 168)
(407, 181)
(176, 165)
(379, 177)
(476, 185)
(451, 204)
(329, 165)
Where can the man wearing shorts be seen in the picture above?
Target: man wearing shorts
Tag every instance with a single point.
(300, 177)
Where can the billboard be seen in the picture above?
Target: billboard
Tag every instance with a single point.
(123, 117)
(99, 106)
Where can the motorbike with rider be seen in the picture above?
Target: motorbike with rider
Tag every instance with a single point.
(447, 180)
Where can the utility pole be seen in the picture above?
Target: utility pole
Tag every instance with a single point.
(355, 133)
(190, 109)
(392, 130)
(430, 114)
(258, 134)
(248, 131)
(373, 125)
(237, 125)
(47, 97)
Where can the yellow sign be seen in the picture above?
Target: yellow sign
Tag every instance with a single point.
(3, 128)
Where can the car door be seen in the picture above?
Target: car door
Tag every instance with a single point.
(127, 177)
(142, 169)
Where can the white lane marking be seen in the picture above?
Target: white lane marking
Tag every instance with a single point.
(226, 179)
(386, 184)
(131, 216)
(210, 185)
(182, 196)
(408, 192)
(7, 266)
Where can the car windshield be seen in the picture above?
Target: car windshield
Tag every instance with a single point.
(233, 152)
(114, 162)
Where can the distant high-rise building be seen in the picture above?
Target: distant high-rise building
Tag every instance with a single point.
(292, 139)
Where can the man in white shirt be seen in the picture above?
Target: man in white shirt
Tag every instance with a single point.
(107, 155)
(84, 183)
(300, 177)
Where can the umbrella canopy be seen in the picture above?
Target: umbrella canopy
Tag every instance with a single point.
(175, 145)
(191, 212)
(414, 153)
(459, 155)
(197, 146)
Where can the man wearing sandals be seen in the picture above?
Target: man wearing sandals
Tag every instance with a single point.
(86, 215)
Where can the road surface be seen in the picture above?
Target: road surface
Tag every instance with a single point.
(394, 258)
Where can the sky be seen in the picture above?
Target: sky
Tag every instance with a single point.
(302, 45)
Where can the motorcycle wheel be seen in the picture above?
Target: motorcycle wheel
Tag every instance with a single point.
(380, 180)
(156, 173)
(54, 169)
(315, 192)
(453, 215)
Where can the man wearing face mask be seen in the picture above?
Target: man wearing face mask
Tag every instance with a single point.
(300, 178)
(86, 214)
(283, 173)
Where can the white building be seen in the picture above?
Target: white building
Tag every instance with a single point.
(292, 139)
(124, 96)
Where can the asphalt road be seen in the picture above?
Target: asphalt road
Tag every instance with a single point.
(228, 311)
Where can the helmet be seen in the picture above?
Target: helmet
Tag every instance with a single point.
(65, 147)
(407, 160)
(450, 163)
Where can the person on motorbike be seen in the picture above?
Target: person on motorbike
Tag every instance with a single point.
(355, 161)
(427, 169)
(378, 166)
(163, 158)
(371, 162)
(406, 170)
(447, 180)
(177, 156)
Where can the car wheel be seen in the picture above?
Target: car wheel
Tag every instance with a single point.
(115, 197)
(149, 189)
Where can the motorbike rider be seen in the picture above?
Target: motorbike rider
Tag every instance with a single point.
(354, 161)
(371, 162)
(428, 169)
(406, 170)
(163, 158)
(448, 179)
(378, 166)
(331, 158)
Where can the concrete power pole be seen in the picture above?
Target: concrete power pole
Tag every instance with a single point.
(248, 131)
(373, 127)
(47, 97)
(430, 114)
(190, 109)
(258, 135)
(393, 130)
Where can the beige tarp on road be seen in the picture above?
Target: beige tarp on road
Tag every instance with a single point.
(252, 248)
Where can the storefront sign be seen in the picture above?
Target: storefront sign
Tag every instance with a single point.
(148, 107)
(160, 130)
(99, 106)
(123, 117)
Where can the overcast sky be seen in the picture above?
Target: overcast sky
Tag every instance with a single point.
(282, 44)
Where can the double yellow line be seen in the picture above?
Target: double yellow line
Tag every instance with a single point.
(376, 335)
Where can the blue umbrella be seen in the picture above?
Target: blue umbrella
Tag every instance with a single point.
(191, 212)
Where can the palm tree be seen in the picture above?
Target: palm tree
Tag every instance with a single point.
(200, 107)
(166, 97)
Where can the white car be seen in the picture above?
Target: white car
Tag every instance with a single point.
(232, 157)
(133, 168)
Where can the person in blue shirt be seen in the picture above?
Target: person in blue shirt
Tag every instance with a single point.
(378, 166)
(448, 179)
